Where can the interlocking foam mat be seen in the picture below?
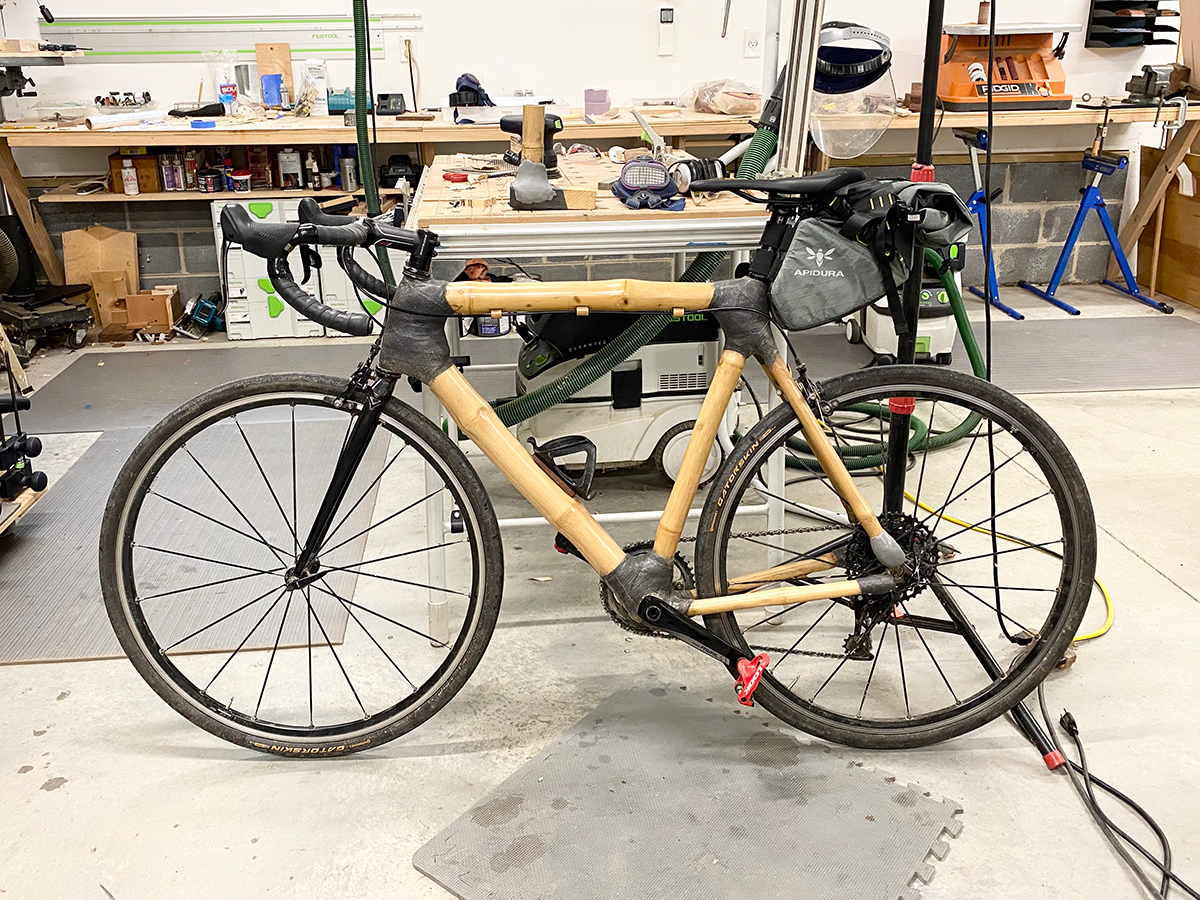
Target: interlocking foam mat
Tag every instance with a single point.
(658, 793)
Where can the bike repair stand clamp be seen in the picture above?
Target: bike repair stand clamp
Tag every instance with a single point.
(1094, 160)
(977, 142)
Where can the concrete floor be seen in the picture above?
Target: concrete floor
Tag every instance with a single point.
(105, 791)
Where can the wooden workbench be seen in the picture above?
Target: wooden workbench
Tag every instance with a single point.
(675, 125)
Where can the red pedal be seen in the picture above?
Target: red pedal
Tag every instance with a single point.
(750, 673)
(902, 406)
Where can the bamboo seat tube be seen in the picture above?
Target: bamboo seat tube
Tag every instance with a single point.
(712, 411)
(479, 422)
(622, 295)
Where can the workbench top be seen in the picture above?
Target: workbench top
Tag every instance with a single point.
(289, 130)
(442, 203)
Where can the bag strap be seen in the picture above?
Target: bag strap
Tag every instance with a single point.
(881, 241)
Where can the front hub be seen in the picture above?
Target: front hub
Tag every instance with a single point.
(295, 578)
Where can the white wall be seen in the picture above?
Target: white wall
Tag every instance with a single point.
(551, 46)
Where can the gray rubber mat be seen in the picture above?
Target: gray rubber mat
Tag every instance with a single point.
(658, 793)
(137, 388)
(51, 607)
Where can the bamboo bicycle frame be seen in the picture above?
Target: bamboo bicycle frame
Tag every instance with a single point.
(475, 417)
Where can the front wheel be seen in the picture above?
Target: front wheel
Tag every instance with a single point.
(999, 529)
(201, 536)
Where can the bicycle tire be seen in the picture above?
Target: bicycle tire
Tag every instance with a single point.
(125, 506)
(1028, 669)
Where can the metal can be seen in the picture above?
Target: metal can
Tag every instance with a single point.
(349, 167)
(211, 180)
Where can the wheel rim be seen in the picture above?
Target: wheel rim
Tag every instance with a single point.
(339, 659)
(911, 664)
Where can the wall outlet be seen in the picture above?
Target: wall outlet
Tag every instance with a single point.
(752, 44)
(666, 31)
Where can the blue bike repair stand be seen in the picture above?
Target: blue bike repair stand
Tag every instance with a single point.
(1094, 160)
(976, 142)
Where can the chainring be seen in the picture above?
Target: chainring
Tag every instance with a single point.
(684, 581)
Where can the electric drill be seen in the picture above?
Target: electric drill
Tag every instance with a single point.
(513, 125)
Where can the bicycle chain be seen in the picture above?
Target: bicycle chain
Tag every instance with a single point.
(607, 599)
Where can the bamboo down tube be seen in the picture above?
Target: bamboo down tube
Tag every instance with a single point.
(782, 596)
(477, 420)
(624, 295)
(712, 411)
(827, 456)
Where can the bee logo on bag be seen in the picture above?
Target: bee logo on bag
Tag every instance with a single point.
(818, 258)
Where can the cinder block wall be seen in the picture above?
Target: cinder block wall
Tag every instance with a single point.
(175, 238)
(1032, 217)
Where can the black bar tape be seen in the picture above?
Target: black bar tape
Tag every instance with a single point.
(363, 279)
(353, 323)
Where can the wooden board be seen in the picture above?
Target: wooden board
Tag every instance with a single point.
(10, 175)
(1179, 257)
(11, 511)
(275, 59)
(486, 202)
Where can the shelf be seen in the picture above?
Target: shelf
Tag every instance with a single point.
(68, 195)
(1108, 30)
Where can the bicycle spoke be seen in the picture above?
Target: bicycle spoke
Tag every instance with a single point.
(208, 518)
(295, 489)
(807, 631)
(845, 658)
(961, 468)
(381, 522)
(871, 674)
(782, 612)
(197, 587)
(952, 562)
(216, 622)
(328, 590)
(800, 506)
(215, 562)
(363, 497)
(236, 508)
(933, 658)
(924, 460)
(308, 621)
(991, 474)
(416, 584)
(245, 640)
(354, 567)
(274, 649)
(367, 632)
(945, 578)
(903, 679)
(267, 481)
(1008, 587)
(336, 658)
(1011, 509)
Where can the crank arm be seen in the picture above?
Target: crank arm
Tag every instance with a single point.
(746, 671)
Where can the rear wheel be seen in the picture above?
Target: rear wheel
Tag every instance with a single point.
(204, 525)
(997, 522)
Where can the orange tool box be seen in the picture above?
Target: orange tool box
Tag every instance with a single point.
(1028, 73)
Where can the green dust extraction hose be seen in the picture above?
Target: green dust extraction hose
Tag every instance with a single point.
(362, 103)
(646, 328)
(872, 456)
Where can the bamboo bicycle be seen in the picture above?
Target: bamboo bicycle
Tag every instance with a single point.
(265, 550)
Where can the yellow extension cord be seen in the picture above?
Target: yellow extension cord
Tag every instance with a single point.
(1110, 614)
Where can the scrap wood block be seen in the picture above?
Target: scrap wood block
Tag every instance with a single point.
(107, 297)
(564, 198)
(100, 249)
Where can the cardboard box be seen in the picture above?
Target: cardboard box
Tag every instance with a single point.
(146, 166)
(155, 311)
(1179, 253)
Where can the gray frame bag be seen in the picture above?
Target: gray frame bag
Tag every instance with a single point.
(858, 250)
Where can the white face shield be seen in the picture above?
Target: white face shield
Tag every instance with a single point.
(854, 97)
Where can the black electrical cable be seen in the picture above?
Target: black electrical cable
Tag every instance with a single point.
(1080, 770)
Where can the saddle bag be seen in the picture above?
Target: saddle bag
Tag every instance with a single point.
(860, 249)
